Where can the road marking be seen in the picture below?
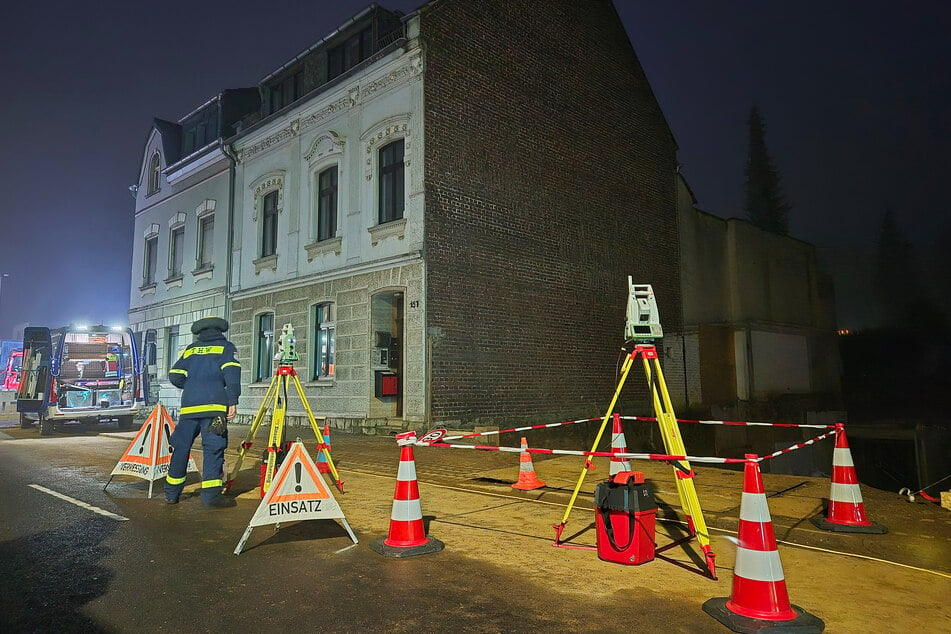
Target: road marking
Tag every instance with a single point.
(94, 509)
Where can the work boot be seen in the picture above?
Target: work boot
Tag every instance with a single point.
(220, 502)
(171, 500)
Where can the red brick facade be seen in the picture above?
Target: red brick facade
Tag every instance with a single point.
(550, 177)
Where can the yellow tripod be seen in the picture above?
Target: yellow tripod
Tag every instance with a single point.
(276, 395)
(673, 444)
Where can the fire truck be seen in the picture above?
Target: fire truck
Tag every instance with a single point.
(75, 373)
(11, 380)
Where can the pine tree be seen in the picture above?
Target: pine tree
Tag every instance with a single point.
(765, 203)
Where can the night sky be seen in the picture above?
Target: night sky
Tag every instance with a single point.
(856, 97)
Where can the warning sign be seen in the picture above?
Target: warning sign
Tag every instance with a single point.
(298, 492)
(149, 453)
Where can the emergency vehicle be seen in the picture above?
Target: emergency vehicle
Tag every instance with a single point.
(11, 380)
(76, 373)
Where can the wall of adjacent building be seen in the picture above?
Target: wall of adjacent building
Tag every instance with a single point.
(550, 178)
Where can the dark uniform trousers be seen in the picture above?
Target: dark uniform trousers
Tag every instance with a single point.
(213, 454)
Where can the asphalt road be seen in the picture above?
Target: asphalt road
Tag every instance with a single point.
(149, 566)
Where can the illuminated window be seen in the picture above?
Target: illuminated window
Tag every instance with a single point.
(324, 334)
(150, 262)
(327, 203)
(264, 346)
(155, 173)
(206, 241)
(269, 225)
(391, 182)
(176, 252)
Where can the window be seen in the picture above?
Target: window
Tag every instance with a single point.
(324, 335)
(155, 173)
(171, 346)
(354, 50)
(176, 252)
(151, 261)
(391, 181)
(206, 242)
(269, 225)
(327, 203)
(264, 347)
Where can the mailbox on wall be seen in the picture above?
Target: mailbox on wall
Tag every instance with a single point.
(386, 383)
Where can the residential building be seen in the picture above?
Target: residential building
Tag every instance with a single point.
(446, 207)
(181, 238)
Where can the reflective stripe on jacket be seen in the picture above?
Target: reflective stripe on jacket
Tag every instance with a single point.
(209, 375)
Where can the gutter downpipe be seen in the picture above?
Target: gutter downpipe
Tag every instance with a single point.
(228, 150)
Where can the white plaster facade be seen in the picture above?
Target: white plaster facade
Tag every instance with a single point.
(188, 193)
(344, 125)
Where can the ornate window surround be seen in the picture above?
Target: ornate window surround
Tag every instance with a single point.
(326, 151)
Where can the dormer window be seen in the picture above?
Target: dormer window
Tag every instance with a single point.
(155, 174)
(351, 52)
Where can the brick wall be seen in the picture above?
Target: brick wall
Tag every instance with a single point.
(549, 179)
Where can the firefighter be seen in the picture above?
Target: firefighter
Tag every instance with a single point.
(209, 376)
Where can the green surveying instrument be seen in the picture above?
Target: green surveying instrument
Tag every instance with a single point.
(276, 398)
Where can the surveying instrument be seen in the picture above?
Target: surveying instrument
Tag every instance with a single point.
(642, 329)
(276, 397)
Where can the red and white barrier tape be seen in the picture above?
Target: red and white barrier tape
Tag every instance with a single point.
(806, 443)
(636, 456)
(570, 452)
(504, 431)
(731, 422)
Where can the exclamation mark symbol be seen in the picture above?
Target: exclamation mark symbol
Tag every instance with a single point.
(168, 438)
(145, 437)
(297, 473)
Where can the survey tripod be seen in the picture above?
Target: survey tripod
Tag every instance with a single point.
(643, 327)
(276, 396)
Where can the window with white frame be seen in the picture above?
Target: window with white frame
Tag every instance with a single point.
(263, 346)
(327, 203)
(269, 213)
(150, 261)
(171, 346)
(176, 251)
(206, 241)
(391, 182)
(324, 334)
(155, 173)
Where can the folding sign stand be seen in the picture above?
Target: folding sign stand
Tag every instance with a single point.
(296, 493)
(643, 326)
(149, 453)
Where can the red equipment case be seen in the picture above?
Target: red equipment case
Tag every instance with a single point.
(625, 514)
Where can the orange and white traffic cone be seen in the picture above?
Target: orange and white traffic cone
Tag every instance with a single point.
(846, 508)
(527, 480)
(407, 536)
(759, 600)
(322, 465)
(618, 445)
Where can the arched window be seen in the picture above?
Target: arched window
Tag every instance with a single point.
(155, 173)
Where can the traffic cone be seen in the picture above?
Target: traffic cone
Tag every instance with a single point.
(846, 510)
(527, 480)
(322, 465)
(759, 600)
(407, 536)
(618, 445)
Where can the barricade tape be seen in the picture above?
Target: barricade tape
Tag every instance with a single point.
(505, 431)
(731, 422)
(636, 456)
(571, 452)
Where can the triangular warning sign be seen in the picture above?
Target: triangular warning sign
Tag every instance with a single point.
(298, 492)
(149, 453)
